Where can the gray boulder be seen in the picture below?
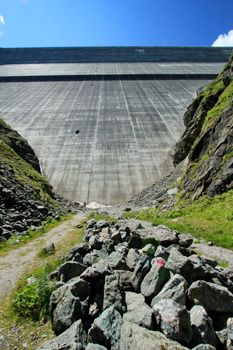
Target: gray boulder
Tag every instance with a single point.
(95, 242)
(154, 280)
(116, 236)
(96, 271)
(211, 296)
(135, 242)
(141, 269)
(191, 268)
(19, 226)
(91, 223)
(116, 261)
(174, 320)
(122, 248)
(94, 256)
(70, 269)
(202, 325)
(124, 279)
(159, 235)
(68, 304)
(49, 249)
(138, 311)
(82, 249)
(74, 338)
(222, 336)
(78, 258)
(185, 240)
(204, 347)
(174, 289)
(230, 333)
(178, 263)
(92, 346)
(132, 258)
(161, 252)
(104, 235)
(198, 268)
(134, 337)
(102, 224)
(209, 261)
(113, 296)
(106, 329)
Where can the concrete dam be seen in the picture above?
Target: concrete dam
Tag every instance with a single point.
(103, 121)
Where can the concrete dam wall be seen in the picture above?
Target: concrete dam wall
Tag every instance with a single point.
(103, 121)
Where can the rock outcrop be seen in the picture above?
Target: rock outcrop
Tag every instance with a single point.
(26, 198)
(203, 157)
(18, 144)
(208, 139)
(130, 297)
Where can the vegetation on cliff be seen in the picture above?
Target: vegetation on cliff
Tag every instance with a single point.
(27, 200)
(208, 140)
(18, 156)
(199, 201)
(18, 144)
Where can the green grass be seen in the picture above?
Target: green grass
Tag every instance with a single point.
(98, 217)
(25, 173)
(224, 101)
(228, 155)
(32, 300)
(207, 218)
(224, 264)
(17, 241)
(26, 308)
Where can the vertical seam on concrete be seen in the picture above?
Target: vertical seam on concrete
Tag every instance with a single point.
(132, 126)
(152, 103)
(95, 140)
(74, 143)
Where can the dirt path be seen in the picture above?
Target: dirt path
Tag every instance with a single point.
(17, 261)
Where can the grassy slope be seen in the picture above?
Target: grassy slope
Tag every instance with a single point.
(208, 218)
(224, 102)
(29, 304)
(24, 172)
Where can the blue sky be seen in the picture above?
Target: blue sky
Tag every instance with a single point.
(31, 23)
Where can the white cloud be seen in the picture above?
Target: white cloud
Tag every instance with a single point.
(2, 20)
(224, 39)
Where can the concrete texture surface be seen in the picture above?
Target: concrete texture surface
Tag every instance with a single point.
(103, 120)
(125, 131)
(126, 68)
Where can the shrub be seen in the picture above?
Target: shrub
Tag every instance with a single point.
(32, 299)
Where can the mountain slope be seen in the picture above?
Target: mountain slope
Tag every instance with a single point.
(208, 140)
(26, 198)
(204, 155)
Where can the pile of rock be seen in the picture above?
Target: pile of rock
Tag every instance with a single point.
(135, 286)
(21, 209)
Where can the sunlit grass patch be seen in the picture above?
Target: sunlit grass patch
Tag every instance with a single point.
(208, 218)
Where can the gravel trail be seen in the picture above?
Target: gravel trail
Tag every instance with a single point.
(16, 262)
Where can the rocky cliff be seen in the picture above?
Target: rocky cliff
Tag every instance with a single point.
(18, 144)
(26, 198)
(204, 155)
(208, 139)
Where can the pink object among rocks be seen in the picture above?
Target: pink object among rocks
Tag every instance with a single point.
(159, 261)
